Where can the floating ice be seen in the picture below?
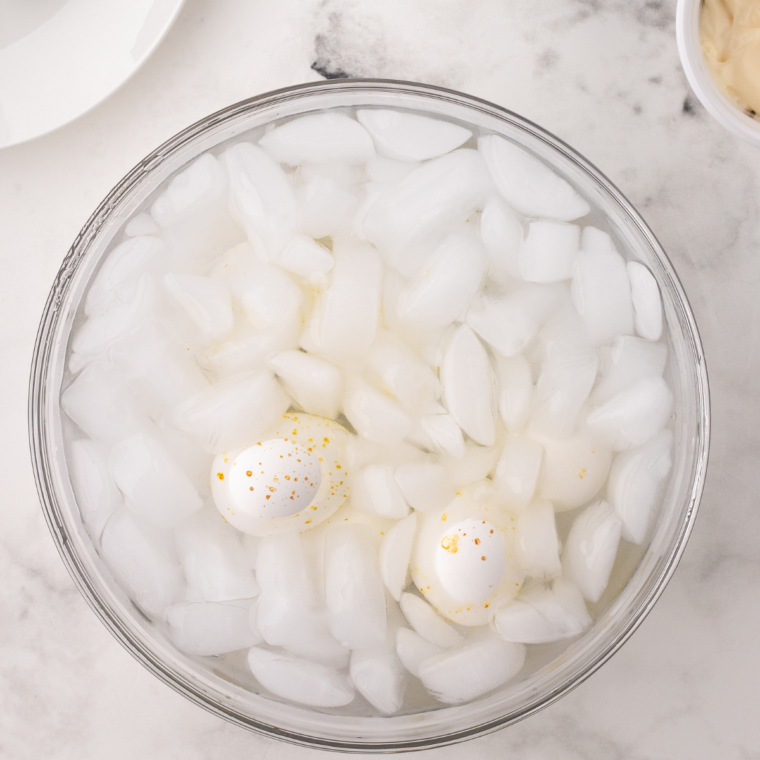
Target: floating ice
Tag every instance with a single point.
(573, 470)
(375, 491)
(379, 677)
(647, 304)
(502, 235)
(590, 549)
(207, 302)
(426, 205)
(634, 416)
(315, 643)
(300, 681)
(305, 257)
(626, 362)
(536, 542)
(468, 386)
(316, 385)
(424, 485)
(384, 171)
(211, 628)
(528, 185)
(444, 434)
(540, 615)
(409, 137)
(120, 277)
(517, 472)
(143, 561)
(319, 138)
(154, 486)
(602, 295)
(233, 411)
(325, 208)
(428, 623)
(412, 649)
(508, 324)
(395, 552)
(262, 199)
(274, 301)
(515, 391)
(476, 464)
(374, 415)
(459, 675)
(142, 224)
(566, 379)
(348, 176)
(442, 290)
(549, 251)
(637, 482)
(94, 488)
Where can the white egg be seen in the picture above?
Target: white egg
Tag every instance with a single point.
(464, 560)
(289, 481)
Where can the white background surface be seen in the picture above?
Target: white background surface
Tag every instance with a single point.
(605, 77)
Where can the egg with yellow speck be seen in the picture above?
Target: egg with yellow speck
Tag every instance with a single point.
(464, 560)
(290, 480)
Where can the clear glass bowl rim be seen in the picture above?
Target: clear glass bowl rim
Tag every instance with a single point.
(41, 453)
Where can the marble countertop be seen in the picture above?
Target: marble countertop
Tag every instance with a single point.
(605, 77)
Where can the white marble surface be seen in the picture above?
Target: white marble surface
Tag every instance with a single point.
(605, 77)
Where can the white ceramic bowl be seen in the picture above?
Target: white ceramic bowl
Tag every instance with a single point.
(712, 97)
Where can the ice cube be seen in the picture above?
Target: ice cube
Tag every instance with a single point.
(591, 548)
(233, 411)
(515, 391)
(444, 434)
(502, 234)
(426, 205)
(96, 493)
(316, 644)
(626, 362)
(508, 324)
(527, 184)
(517, 472)
(346, 318)
(379, 677)
(154, 486)
(325, 208)
(573, 471)
(375, 491)
(305, 257)
(412, 649)
(428, 623)
(637, 482)
(300, 681)
(207, 302)
(262, 199)
(274, 301)
(315, 384)
(647, 304)
(424, 485)
(387, 171)
(120, 276)
(141, 224)
(475, 465)
(213, 559)
(142, 561)
(354, 590)
(403, 373)
(536, 542)
(549, 251)
(460, 675)
(409, 137)
(540, 615)
(567, 376)
(633, 416)
(211, 628)
(395, 553)
(594, 239)
(319, 138)
(191, 191)
(346, 175)
(468, 386)
(442, 290)
(602, 295)
(374, 415)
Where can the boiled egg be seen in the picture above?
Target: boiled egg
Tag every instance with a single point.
(464, 560)
(288, 481)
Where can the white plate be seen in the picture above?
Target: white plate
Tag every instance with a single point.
(60, 58)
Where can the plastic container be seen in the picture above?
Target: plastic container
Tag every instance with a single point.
(646, 572)
(709, 92)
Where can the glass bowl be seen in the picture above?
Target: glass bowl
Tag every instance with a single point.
(639, 579)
